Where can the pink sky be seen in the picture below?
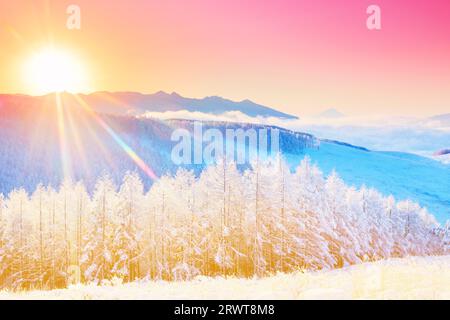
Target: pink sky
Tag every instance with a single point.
(298, 56)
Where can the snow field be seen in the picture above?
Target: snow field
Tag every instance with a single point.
(407, 278)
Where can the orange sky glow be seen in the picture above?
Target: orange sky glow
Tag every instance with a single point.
(300, 57)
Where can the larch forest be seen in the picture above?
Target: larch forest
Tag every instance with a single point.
(224, 222)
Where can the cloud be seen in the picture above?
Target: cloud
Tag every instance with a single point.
(230, 116)
(381, 133)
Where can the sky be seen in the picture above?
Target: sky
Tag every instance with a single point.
(298, 56)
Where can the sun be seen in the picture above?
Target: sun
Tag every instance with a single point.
(54, 70)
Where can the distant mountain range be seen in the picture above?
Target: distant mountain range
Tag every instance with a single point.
(133, 103)
(330, 113)
(442, 152)
(439, 121)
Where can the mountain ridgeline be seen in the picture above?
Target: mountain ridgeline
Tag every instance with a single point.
(133, 103)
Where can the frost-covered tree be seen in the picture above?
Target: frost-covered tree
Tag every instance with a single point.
(127, 221)
(224, 221)
(96, 261)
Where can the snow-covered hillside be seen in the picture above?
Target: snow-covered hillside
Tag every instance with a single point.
(442, 155)
(31, 152)
(406, 176)
(131, 213)
(408, 278)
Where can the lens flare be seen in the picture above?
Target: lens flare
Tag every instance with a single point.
(129, 151)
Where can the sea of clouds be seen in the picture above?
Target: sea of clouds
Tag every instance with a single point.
(414, 135)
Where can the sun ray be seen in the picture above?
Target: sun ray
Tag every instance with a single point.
(74, 131)
(64, 150)
(128, 150)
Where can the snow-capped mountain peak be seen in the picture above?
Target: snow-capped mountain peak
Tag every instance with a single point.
(330, 113)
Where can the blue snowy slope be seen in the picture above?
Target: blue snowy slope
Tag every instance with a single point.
(406, 176)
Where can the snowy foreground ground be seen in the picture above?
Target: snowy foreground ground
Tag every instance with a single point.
(409, 278)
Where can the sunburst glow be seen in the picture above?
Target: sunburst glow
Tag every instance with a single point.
(54, 70)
